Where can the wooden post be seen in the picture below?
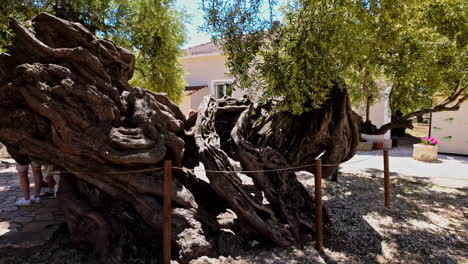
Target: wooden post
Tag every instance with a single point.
(318, 205)
(167, 212)
(386, 179)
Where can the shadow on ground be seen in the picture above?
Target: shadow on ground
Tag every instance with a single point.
(425, 224)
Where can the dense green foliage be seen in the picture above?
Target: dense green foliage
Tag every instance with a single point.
(153, 29)
(416, 46)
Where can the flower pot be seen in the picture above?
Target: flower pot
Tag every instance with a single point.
(425, 152)
(378, 145)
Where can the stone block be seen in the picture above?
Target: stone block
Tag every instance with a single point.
(424, 152)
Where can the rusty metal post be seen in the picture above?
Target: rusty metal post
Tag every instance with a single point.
(386, 179)
(318, 205)
(167, 211)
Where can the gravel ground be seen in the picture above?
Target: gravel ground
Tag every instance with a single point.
(425, 224)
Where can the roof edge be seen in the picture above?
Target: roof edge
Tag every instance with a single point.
(203, 55)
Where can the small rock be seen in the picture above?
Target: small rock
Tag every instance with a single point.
(192, 244)
(227, 219)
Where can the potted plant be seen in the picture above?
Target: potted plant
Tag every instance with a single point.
(378, 145)
(426, 150)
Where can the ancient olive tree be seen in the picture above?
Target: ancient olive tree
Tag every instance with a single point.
(152, 29)
(65, 99)
(418, 48)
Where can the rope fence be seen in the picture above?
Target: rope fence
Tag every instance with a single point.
(204, 170)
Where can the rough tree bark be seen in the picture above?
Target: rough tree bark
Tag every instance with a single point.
(65, 100)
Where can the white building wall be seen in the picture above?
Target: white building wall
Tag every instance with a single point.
(205, 70)
(185, 104)
(197, 97)
(209, 69)
(201, 70)
(450, 128)
(379, 114)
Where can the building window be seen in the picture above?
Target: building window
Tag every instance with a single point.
(223, 89)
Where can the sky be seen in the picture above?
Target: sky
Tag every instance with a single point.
(195, 20)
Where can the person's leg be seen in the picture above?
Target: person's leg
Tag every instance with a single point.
(51, 181)
(49, 174)
(49, 171)
(36, 168)
(23, 178)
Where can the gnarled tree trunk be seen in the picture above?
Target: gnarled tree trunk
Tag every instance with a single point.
(65, 100)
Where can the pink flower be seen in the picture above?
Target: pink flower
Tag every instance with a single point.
(429, 141)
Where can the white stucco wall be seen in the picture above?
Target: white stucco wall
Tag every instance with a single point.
(204, 70)
(379, 114)
(201, 70)
(192, 101)
(450, 128)
(185, 104)
(209, 69)
(197, 97)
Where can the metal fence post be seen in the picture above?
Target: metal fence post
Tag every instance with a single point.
(386, 179)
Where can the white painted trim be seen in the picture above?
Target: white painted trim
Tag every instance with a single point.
(213, 92)
(201, 55)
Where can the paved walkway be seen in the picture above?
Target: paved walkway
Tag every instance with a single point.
(448, 171)
(24, 227)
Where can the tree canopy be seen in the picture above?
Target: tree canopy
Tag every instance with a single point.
(152, 29)
(416, 47)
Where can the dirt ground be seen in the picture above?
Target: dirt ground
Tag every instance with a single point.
(425, 224)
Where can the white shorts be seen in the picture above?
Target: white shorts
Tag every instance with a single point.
(21, 168)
